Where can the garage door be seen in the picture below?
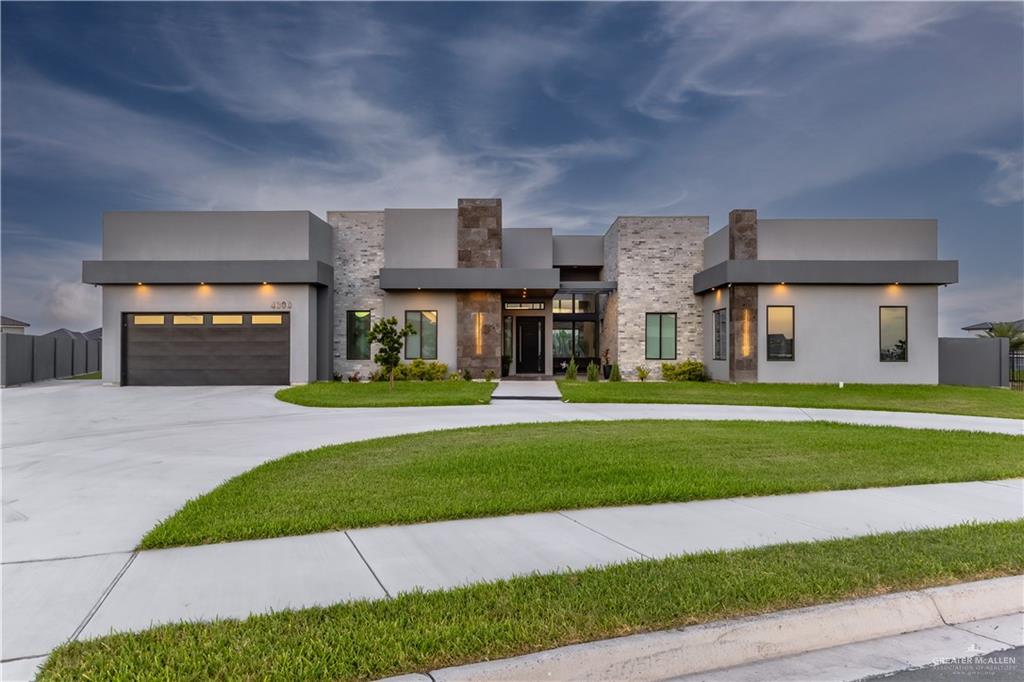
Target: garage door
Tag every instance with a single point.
(192, 349)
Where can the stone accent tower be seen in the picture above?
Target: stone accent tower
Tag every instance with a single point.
(653, 259)
(478, 338)
(743, 299)
(358, 258)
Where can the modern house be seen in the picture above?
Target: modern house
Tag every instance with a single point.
(283, 297)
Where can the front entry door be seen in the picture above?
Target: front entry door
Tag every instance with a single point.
(529, 345)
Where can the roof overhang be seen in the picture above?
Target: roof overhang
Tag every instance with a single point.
(468, 279)
(207, 271)
(587, 287)
(826, 272)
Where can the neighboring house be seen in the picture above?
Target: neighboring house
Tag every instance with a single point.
(282, 297)
(9, 325)
(981, 327)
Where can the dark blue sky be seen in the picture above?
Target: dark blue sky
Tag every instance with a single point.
(572, 113)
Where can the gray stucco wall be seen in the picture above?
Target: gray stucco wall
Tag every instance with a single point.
(712, 301)
(215, 235)
(444, 303)
(836, 334)
(974, 362)
(716, 248)
(526, 247)
(118, 299)
(583, 250)
(847, 239)
(420, 238)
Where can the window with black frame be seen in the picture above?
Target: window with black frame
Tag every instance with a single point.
(780, 341)
(892, 333)
(422, 344)
(574, 333)
(660, 336)
(357, 335)
(721, 334)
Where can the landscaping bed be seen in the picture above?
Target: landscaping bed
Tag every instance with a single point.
(425, 631)
(382, 394)
(968, 400)
(497, 470)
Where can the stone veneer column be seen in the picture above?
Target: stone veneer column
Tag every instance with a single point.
(478, 334)
(654, 260)
(743, 299)
(358, 258)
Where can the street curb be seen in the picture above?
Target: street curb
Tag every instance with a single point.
(723, 644)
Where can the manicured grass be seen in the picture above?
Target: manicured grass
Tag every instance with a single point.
(425, 631)
(490, 471)
(989, 402)
(380, 394)
(90, 376)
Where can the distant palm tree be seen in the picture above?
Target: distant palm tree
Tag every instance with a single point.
(1009, 330)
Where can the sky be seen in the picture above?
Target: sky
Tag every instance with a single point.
(571, 113)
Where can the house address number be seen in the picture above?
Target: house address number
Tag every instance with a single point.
(281, 305)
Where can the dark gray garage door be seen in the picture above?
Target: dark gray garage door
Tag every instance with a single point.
(193, 349)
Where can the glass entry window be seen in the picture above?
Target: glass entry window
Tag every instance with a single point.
(423, 343)
(780, 341)
(892, 333)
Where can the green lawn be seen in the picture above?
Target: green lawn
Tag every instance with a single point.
(381, 394)
(424, 631)
(489, 471)
(90, 376)
(990, 402)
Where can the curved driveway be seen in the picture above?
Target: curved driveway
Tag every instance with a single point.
(87, 470)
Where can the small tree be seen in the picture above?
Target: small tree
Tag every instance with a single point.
(390, 339)
(1009, 330)
(593, 373)
(616, 374)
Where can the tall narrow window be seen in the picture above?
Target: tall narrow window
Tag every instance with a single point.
(422, 344)
(357, 335)
(780, 332)
(721, 331)
(661, 336)
(892, 333)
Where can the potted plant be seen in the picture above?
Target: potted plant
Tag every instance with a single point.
(606, 363)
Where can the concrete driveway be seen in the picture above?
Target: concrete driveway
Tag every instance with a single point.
(87, 470)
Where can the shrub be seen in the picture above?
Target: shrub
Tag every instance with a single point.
(489, 375)
(421, 370)
(570, 370)
(338, 376)
(355, 377)
(467, 375)
(455, 376)
(616, 375)
(687, 370)
(642, 372)
(593, 372)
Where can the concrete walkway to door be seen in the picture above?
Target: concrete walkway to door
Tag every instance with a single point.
(526, 389)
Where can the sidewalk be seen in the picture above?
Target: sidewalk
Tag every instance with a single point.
(842, 641)
(236, 579)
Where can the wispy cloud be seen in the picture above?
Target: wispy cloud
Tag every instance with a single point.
(729, 49)
(1006, 186)
(604, 110)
